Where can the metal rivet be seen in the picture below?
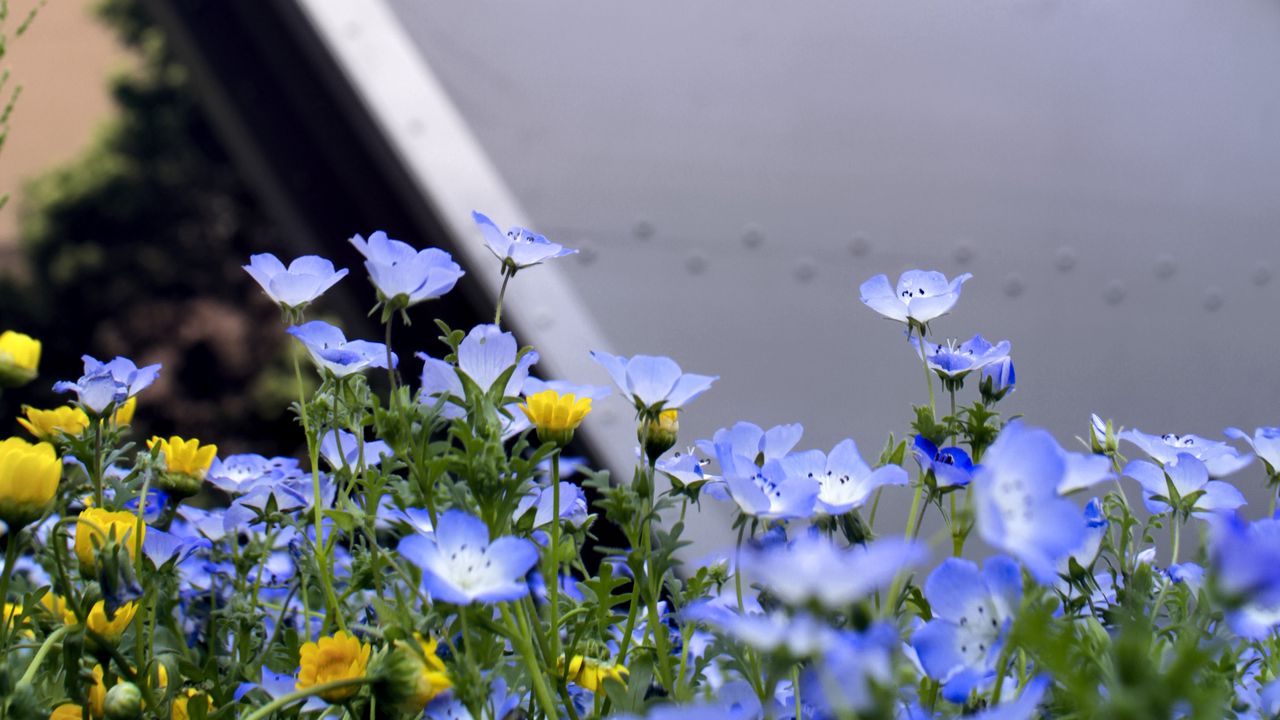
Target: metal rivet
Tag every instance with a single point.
(1213, 299)
(1261, 275)
(859, 246)
(643, 230)
(1065, 259)
(1115, 292)
(1165, 267)
(964, 253)
(1014, 285)
(696, 263)
(805, 270)
(752, 237)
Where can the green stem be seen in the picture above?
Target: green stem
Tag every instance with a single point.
(924, 360)
(912, 529)
(525, 646)
(10, 559)
(44, 650)
(391, 368)
(274, 705)
(497, 315)
(313, 454)
(553, 581)
(1175, 536)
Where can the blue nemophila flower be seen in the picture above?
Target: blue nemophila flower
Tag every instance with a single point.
(1024, 707)
(953, 362)
(767, 492)
(573, 505)
(403, 275)
(239, 474)
(998, 379)
(461, 566)
(1244, 567)
(293, 287)
(1189, 478)
(653, 383)
(1219, 458)
(844, 480)
(951, 466)
(1018, 506)
(1265, 443)
(111, 382)
(518, 247)
(842, 682)
(755, 444)
(533, 386)
(813, 568)
(800, 635)
(341, 449)
(1096, 524)
(483, 356)
(920, 296)
(331, 350)
(972, 611)
(161, 547)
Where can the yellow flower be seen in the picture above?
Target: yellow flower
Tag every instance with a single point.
(410, 677)
(45, 424)
(67, 711)
(337, 657)
(556, 416)
(96, 526)
(590, 673)
(19, 358)
(659, 435)
(186, 463)
(111, 629)
(98, 691)
(178, 709)
(29, 477)
(56, 606)
(185, 456)
(124, 412)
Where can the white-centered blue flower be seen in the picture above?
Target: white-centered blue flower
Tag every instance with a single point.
(518, 247)
(813, 569)
(844, 680)
(765, 492)
(239, 474)
(295, 286)
(920, 296)
(331, 351)
(403, 274)
(954, 361)
(752, 442)
(1219, 458)
(653, 383)
(1265, 443)
(1244, 568)
(1017, 500)
(845, 481)
(460, 565)
(111, 382)
(1189, 478)
(972, 611)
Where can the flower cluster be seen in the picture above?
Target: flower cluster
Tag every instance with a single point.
(437, 550)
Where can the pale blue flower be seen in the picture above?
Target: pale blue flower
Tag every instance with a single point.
(293, 287)
(1190, 481)
(239, 474)
(1244, 567)
(484, 355)
(1265, 443)
(768, 492)
(331, 350)
(799, 636)
(1219, 458)
(403, 274)
(461, 566)
(161, 547)
(341, 449)
(533, 386)
(845, 482)
(920, 296)
(953, 362)
(106, 383)
(653, 383)
(813, 569)
(842, 682)
(1024, 707)
(750, 441)
(1018, 506)
(518, 247)
(998, 379)
(972, 611)
(573, 505)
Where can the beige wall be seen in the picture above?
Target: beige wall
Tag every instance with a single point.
(63, 63)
